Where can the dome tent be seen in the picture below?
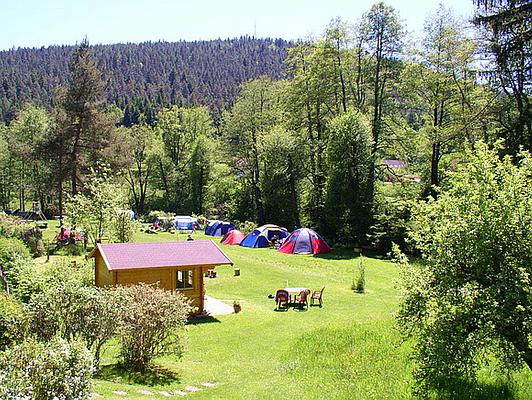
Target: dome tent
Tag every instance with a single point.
(304, 241)
(218, 228)
(233, 237)
(262, 236)
(185, 222)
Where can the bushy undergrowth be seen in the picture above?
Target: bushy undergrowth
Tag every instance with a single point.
(26, 280)
(26, 231)
(42, 371)
(12, 321)
(75, 313)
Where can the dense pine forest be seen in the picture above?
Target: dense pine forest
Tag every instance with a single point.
(141, 78)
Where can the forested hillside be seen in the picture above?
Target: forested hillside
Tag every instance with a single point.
(144, 76)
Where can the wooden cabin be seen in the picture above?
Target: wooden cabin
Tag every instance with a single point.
(172, 265)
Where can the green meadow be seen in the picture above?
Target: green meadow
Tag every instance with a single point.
(348, 349)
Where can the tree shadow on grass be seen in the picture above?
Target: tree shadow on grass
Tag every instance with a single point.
(154, 376)
(348, 253)
(202, 319)
(465, 390)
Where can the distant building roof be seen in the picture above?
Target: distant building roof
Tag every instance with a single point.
(394, 163)
(120, 256)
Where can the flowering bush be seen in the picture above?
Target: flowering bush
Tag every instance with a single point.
(43, 371)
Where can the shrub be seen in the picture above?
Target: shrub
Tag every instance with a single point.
(359, 285)
(74, 312)
(33, 239)
(153, 215)
(123, 227)
(26, 280)
(11, 249)
(396, 255)
(468, 302)
(11, 321)
(28, 232)
(246, 227)
(43, 371)
(13, 227)
(151, 323)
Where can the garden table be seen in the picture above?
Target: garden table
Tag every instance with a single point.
(295, 291)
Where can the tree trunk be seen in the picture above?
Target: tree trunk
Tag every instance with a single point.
(293, 192)
(434, 168)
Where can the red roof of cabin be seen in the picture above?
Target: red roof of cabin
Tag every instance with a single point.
(119, 256)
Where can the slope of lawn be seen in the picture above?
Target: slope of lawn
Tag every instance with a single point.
(349, 349)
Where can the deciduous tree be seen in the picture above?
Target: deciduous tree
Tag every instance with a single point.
(470, 298)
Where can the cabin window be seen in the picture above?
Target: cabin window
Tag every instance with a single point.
(184, 280)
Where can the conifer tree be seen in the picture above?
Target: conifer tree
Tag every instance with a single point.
(86, 131)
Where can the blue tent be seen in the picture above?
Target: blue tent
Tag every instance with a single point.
(262, 236)
(185, 222)
(218, 228)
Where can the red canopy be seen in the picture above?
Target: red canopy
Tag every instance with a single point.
(233, 237)
(304, 241)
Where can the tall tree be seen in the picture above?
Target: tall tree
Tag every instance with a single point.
(253, 113)
(310, 102)
(509, 40)
(31, 127)
(144, 147)
(201, 163)
(348, 161)
(86, 131)
(468, 302)
(280, 157)
(440, 83)
(383, 40)
(7, 183)
(179, 128)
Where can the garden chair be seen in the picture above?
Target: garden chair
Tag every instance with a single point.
(317, 295)
(282, 299)
(301, 299)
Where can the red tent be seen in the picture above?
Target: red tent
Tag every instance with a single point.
(304, 241)
(233, 237)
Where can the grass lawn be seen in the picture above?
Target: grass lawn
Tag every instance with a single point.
(348, 349)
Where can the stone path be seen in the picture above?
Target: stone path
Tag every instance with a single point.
(216, 307)
(190, 389)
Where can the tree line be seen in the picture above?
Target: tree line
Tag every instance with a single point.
(142, 78)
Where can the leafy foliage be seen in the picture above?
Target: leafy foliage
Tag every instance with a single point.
(348, 160)
(12, 322)
(151, 323)
(42, 371)
(470, 298)
(96, 209)
(75, 313)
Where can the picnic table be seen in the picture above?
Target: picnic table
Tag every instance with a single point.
(295, 290)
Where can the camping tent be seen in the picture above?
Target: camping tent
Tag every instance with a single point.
(218, 228)
(185, 222)
(233, 237)
(262, 236)
(304, 241)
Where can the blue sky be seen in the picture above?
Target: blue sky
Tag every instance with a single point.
(36, 23)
